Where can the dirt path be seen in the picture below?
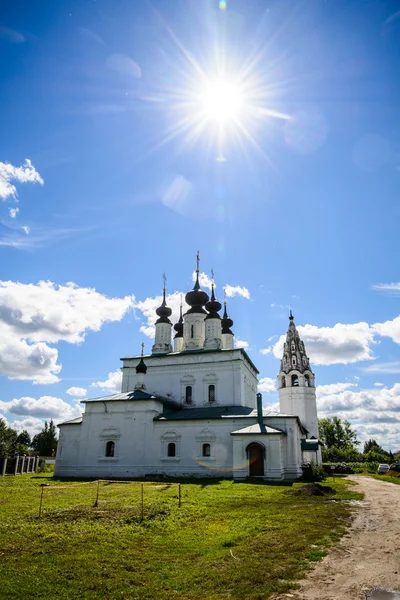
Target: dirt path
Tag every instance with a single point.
(368, 556)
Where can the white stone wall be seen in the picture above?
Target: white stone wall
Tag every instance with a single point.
(194, 331)
(234, 378)
(162, 341)
(141, 445)
(212, 334)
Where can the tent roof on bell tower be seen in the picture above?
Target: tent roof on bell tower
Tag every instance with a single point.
(294, 353)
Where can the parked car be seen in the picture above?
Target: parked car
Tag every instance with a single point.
(383, 468)
(395, 467)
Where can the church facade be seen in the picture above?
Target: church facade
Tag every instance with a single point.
(192, 409)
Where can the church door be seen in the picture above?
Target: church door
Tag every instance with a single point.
(256, 460)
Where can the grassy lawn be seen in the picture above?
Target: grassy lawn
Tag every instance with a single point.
(388, 478)
(228, 540)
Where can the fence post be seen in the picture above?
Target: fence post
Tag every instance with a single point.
(16, 465)
(142, 500)
(42, 485)
(97, 494)
(179, 495)
(3, 472)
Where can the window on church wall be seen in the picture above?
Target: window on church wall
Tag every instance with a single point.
(110, 449)
(188, 394)
(206, 450)
(171, 450)
(293, 347)
(211, 393)
(283, 382)
(293, 361)
(307, 380)
(192, 331)
(295, 380)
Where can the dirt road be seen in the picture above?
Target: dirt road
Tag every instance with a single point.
(368, 556)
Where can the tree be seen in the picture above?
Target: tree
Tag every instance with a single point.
(24, 438)
(8, 439)
(373, 452)
(337, 433)
(45, 442)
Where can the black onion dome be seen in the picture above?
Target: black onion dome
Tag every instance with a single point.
(164, 312)
(213, 306)
(196, 298)
(179, 327)
(226, 322)
(141, 367)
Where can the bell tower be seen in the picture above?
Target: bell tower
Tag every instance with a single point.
(296, 383)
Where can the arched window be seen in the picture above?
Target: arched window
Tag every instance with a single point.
(188, 394)
(211, 393)
(110, 449)
(293, 361)
(171, 451)
(283, 381)
(293, 347)
(306, 380)
(295, 380)
(206, 451)
(192, 331)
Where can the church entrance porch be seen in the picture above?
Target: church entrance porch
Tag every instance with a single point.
(255, 453)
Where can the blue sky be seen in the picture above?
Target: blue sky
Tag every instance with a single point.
(295, 200)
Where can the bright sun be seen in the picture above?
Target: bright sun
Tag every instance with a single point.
(222, 101)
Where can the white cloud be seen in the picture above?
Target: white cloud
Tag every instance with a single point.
(31, 316)
(386, 367)
(391, 288)
(378, 384)
(372, 412)
(26, 229)
(148, 308)
(340, 344)
(20, 360)
(266, 384)
(204, 280)
(333, 388)
(30, 424)
(112, 383)
(266, 350)
(24, 174)
(77, 392)
(389, 329)
(46, 407)
(13, 212)
(241, 343)
(237, 290)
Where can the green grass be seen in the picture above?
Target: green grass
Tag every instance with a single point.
(388, 478)
(228, 540)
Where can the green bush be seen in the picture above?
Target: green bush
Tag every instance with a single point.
(312, 473)
(350, 468)
(43, 468)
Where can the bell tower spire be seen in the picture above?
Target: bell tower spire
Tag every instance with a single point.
(296, 384)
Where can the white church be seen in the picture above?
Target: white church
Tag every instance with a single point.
(192, 409)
